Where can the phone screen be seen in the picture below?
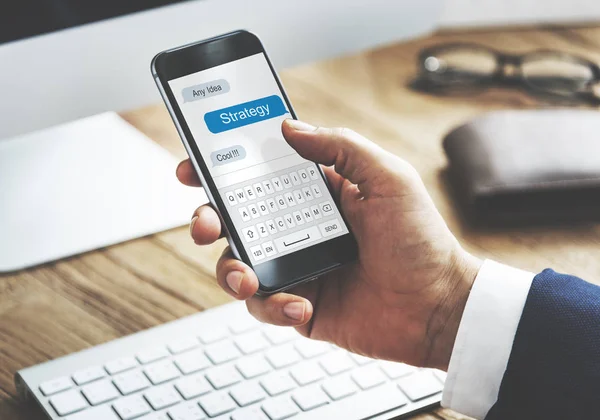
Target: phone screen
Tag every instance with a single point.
(278, 201)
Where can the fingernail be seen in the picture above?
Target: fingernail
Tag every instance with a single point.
(192, 223)
(234, 281)
(301, 125)
(295, 310)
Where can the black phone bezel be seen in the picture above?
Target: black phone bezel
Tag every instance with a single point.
(300, 266)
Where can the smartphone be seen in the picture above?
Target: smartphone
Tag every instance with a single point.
(278, 211)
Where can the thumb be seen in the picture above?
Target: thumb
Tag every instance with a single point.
(353, 157)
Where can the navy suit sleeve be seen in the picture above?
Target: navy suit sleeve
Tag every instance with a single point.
(554, 368)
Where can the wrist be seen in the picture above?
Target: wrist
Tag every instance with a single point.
(446, 317)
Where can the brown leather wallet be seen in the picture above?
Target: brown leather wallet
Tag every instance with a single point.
(510, 167)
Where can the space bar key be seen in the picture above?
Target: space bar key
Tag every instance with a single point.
(297, 239)
(360, 406)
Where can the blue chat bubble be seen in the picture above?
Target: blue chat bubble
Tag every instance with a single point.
(244, 114)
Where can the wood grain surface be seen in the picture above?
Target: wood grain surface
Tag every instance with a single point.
(69, 305)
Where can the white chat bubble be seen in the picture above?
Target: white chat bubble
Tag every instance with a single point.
(205, 90)
(228, 155)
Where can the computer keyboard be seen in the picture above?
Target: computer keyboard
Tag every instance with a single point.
(222, 364)
(283, 211)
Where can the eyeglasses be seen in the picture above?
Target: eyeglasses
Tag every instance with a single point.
(468, 68)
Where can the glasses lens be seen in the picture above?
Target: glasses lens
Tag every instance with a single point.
(460, 65)
(556, 74)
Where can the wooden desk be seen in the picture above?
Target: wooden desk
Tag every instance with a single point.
(59, 308)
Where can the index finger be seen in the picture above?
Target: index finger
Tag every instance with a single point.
(186, 174)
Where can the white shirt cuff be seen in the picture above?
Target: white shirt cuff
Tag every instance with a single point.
(485, 338)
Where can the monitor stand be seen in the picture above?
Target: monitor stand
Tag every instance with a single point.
(82, 186)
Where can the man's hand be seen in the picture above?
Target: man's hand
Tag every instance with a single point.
(404, 297)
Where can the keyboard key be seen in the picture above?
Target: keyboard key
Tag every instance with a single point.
(306, 373)
(269, 249)
(308, 195)
(365, 404)
(131, 407)
(280, 224)
(68, 402)
(326, 208)
(217, 403)
(253, 209)
(120, 365)
(272, 205)
(193, 386)
(316, 191)
(286, 181)
(244, 324)
(281, 202)
(278, 335)
(340, 387)
(396, 370)
(289, 220)
(336, 362)
(257, 252)
(310, 398)
(212, 335)
(130, 382)
(223, 376)
(296, 239)
(271, 227)
(187, 411)
(304, 176)
(282, 356)
(250, 194)
(152, 355)
(280, 408)
(289, 199)
(250, 234)
(100, 392)
(307, 214)
(103, 412)
(361, 360)
(192, 361)
(277, 383)
(316, 212)
(277, 184)
(55, 386)
(252, 367)
(313, 173)
(245, 214)
(160, 372)
(295, 178)
(183, 345)
(268, 187)
(90, 374)
(230, 198)
(250, 413)
(222, 352)
(251, 342)
(420, 385)
(298, 218)
(240, 195)
(162, 396)
(311, 348)
(332, 227)
(157, 416)
(368, 377)
(262, 208)
(260, 192)
(299, 196)
(247, 393)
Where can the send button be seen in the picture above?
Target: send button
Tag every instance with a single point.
(244, 114)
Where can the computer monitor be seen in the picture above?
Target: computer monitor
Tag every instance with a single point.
(74, 178)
